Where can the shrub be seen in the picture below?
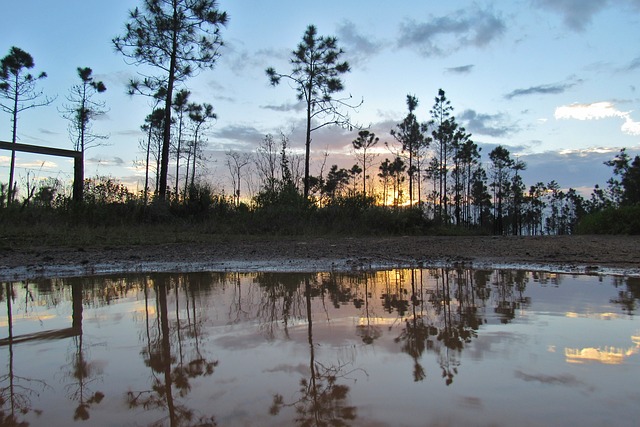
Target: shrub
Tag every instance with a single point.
(623, 220)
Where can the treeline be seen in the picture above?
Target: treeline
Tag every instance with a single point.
(492, 201)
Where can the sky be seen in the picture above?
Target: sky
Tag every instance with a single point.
(553, 81)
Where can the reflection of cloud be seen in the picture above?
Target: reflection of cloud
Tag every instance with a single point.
(237, 342)
(599, 316)
(606, 355)
(564, 379)
(446, 34)
(597, 111)
(289, 369)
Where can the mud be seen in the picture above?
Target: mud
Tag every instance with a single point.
(574, 254)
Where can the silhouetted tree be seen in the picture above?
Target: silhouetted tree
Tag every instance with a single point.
(517, 189)
(396, 171)
(336, 180)
(354, 172)
(409, 134)
(176, 37)
(199, 114)
(266, 161)
(18, 87)
(82, 110)
(501, 169)
(463, 152)
(467, 162)
(480, 197)
(442, 135)
(153, 128)
(235, 162)
(180, 106)
(385, 176)
(316, 76)
(624, 186)
(535, 205)
(366, 140)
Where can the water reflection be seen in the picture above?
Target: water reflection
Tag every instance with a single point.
(81, 372)
(165, 353)
(322, 400)
(318, 349)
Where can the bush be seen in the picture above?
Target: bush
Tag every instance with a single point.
(623, 220)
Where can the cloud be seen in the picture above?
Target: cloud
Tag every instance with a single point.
(37, 164)
(633, 65)
(547, 89)
(579, 169)
(577, 14)
(298, 106)
(106, 161)
(240, 61)
(463, 69)
(597, 111)
(48, 132)
(486, 124)
(443, 35)
(358, 47)
(240, 133)
(116, 78)
(129, 133)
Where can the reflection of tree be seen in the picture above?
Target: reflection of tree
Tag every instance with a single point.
(415, 333)
(458, 326)
(338, 293)
(369, 332)
(627, 297)
(170, 375)
(81, 371)
(394, 298)
(323, 401)
(15, 391)
(510, 287)
(280, 300)
(453, 324)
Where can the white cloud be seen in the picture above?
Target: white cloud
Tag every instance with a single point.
(597, 111)
(594, 111)
(630, 127)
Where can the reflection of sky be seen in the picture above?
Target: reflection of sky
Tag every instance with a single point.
(507, 373)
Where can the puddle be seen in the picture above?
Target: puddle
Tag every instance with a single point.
(413, 347)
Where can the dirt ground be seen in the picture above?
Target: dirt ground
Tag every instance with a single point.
(579, 254)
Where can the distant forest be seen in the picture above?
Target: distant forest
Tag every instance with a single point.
(430, 180)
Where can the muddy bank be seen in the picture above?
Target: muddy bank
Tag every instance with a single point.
(580, 254)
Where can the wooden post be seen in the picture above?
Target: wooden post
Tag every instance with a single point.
(78, 177)
(77, 156)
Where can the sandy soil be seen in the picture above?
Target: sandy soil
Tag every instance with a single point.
(579, 254)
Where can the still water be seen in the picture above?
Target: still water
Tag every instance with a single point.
(431, 347)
